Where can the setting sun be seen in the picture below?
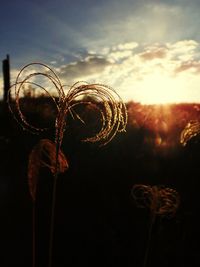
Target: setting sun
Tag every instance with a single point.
(160, 89)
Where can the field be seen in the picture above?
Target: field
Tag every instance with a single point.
(97, 222)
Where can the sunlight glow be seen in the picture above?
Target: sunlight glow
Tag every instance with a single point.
(149, 74)
(160, 89)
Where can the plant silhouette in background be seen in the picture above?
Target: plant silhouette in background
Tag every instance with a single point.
(191, 130)
(161, 201)
(47, 153)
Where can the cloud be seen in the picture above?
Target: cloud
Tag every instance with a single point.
(86, 67)
(119, 53)
(184, 50)
(193, 66)
(126, 46)
(150, 54)
(144, 73)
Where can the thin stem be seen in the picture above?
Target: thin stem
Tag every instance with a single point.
(51, 236)
(149, 240)
(33, 234)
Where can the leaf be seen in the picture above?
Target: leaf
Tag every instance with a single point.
(44, 155)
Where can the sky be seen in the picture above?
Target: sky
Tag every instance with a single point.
(147, 50)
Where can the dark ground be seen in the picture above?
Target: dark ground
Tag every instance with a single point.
(97, 222)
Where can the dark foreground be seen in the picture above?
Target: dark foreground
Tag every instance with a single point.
(97, 223)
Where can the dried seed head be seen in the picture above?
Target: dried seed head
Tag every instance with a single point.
(160, 200)
(191, 130)
(44, 155)
(113, 115)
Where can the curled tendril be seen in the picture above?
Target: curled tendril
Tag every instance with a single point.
(191, 130)
(160, 200)
(113, 114)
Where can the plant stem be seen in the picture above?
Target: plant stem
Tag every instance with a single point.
(149, 239)
(33, 234)
(51, 236)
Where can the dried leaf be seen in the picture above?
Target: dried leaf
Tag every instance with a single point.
(44, 155)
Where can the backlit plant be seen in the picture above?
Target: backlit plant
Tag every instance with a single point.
(191, 130)
(161, 201)
(107, 102)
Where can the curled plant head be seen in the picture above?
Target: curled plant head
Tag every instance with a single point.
(44, 155)
(160, 200)
(191, 130)
(48, 154)
(112, 109)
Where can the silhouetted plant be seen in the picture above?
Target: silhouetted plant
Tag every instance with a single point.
(43, 155)
(113, 118)
(160, 200)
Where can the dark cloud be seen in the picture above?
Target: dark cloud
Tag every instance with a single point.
(195, 65)
(153, 54)
(88, 66)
